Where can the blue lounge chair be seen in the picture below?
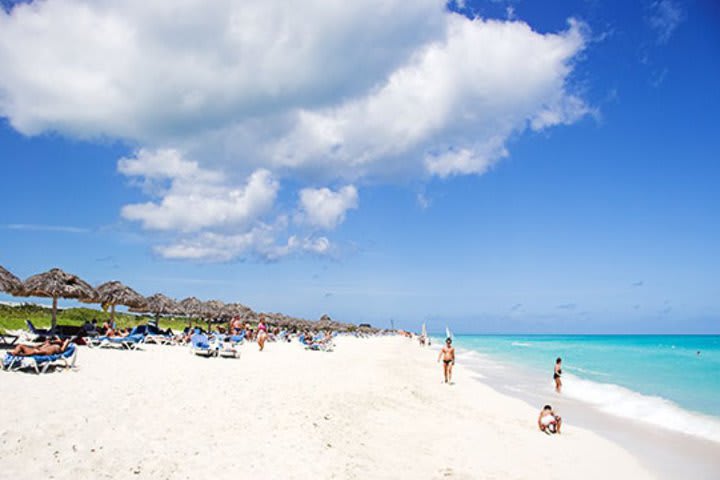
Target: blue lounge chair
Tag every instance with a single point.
(41, 332)
(237, 338)
(131, 342)
(40, 363)
(200, 345)
(154, 335)
(227, 345)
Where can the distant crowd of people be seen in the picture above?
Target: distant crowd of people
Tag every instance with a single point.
(236, 329)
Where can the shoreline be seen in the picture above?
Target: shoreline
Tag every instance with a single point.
(373, 408)
(666, 453)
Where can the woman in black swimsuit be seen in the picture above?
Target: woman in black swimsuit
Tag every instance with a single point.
(557, 374)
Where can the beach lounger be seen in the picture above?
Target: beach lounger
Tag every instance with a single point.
(7, 340)
(237, 339)
(154, 335)
(200, 345)
(227, 346)
(228, 350)
(131, 342)
(316, 343)
(40, 363)
(40, 332)
(159, 339)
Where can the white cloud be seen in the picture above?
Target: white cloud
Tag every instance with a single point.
(157, 164)
(466, 160)
(157, 70)
(212, 220)
(227, 99)
(46, 228)
(664, 18)
(467, 93)
(323, 208)
(197, 198)
(259, 241)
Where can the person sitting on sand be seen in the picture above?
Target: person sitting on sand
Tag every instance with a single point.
(448, 357)
(48, 347)
(548, 422)
(557, 373)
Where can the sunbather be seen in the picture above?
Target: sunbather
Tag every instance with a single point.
(49, 347)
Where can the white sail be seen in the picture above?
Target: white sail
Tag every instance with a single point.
(423, 332)
(448, 333)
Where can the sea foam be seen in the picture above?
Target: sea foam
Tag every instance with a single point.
(626, 403)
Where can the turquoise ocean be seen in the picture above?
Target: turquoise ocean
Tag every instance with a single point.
(670, 381)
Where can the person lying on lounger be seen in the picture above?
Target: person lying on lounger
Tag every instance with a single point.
(48, 347)
(548, 422)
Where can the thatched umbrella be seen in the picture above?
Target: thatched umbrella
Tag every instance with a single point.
(158, 304)
(58, 284)
(115, 293)
(326, 323)
(211, 309)
(190, 307)
(233, 310)
(10, 283)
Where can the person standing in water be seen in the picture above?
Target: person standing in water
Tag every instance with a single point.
(448, 357)
(557, 374)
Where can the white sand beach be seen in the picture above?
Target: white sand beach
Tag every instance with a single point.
(372, 409)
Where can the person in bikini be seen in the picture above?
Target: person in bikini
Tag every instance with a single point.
(447, 354)
(548, 422)
(557, 374)
(262, 333)
(49, 347)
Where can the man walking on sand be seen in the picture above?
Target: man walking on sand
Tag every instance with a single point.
(448, 357)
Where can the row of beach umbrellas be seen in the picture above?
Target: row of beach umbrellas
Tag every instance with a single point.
(57, 284)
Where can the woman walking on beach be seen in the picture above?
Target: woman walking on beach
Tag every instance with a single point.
(557, 374)
(448, 357)
(262, 333)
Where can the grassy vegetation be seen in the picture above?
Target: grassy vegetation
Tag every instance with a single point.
(13, 318)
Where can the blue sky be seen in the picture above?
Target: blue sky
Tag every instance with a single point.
(603, 217)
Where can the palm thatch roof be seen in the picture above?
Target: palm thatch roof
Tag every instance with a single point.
(190, 306)
(116, 293)
(326, 322)
(158, 304)
(58, 284)
(10, 283)
(212, 309)
(234, 309)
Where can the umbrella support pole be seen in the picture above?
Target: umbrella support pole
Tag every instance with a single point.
(54, 314)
